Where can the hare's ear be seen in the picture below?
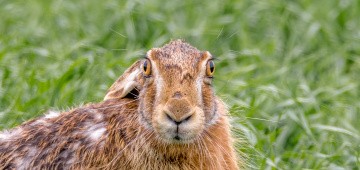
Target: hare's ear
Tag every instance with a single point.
(129, 83)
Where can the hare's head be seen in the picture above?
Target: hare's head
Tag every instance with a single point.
(173, 85)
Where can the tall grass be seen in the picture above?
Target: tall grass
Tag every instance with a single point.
(289, 70)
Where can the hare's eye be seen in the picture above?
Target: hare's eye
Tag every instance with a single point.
(147, 68)
(210, 68)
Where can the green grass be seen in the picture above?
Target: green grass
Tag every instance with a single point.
(289, 70)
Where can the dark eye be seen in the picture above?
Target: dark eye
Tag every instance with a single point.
(147, 67)
(210, 68)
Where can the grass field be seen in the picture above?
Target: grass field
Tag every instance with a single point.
(289, 70)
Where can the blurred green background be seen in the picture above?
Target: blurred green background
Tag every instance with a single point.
(289, 70)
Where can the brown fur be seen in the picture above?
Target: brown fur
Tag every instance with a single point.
(174, 122)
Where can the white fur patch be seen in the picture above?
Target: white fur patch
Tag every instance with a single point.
(76, 145)
(133, 75)
(19, 162)
(10, 134)
(32, 151)
(27, 158)
(159, 82)
(98, 116)
(159, 86)
(42, 122)
(24, 161)
(52, 114)
(71, 161)
(96, 131)
(4, 135)
(199, 82)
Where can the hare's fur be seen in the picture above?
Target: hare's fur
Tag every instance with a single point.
(170, 119)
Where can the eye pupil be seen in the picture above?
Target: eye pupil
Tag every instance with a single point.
(145, 66)
(210, 68)
(211, 64)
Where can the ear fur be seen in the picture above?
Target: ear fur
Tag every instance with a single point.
(128, 83)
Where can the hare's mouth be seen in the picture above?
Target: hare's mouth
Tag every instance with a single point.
(178, 138)
(183, 130)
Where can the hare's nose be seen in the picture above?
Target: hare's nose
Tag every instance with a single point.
(178, 110)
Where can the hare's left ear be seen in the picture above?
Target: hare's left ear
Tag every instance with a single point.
(129, 84)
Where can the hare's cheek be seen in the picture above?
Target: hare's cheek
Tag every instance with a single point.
(147, 101)
(208, 102)
(157, 117)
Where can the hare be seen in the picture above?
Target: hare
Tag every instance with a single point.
(162, 113)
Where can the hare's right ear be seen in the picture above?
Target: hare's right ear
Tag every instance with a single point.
(129, 83)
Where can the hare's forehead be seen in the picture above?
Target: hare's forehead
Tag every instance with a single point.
(183, 58)
(178, 62)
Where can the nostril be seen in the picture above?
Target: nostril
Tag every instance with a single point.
(169, 117)
(187, 118)
(176, 121)
(173, 120)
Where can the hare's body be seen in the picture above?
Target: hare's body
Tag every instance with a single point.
(124, 132)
